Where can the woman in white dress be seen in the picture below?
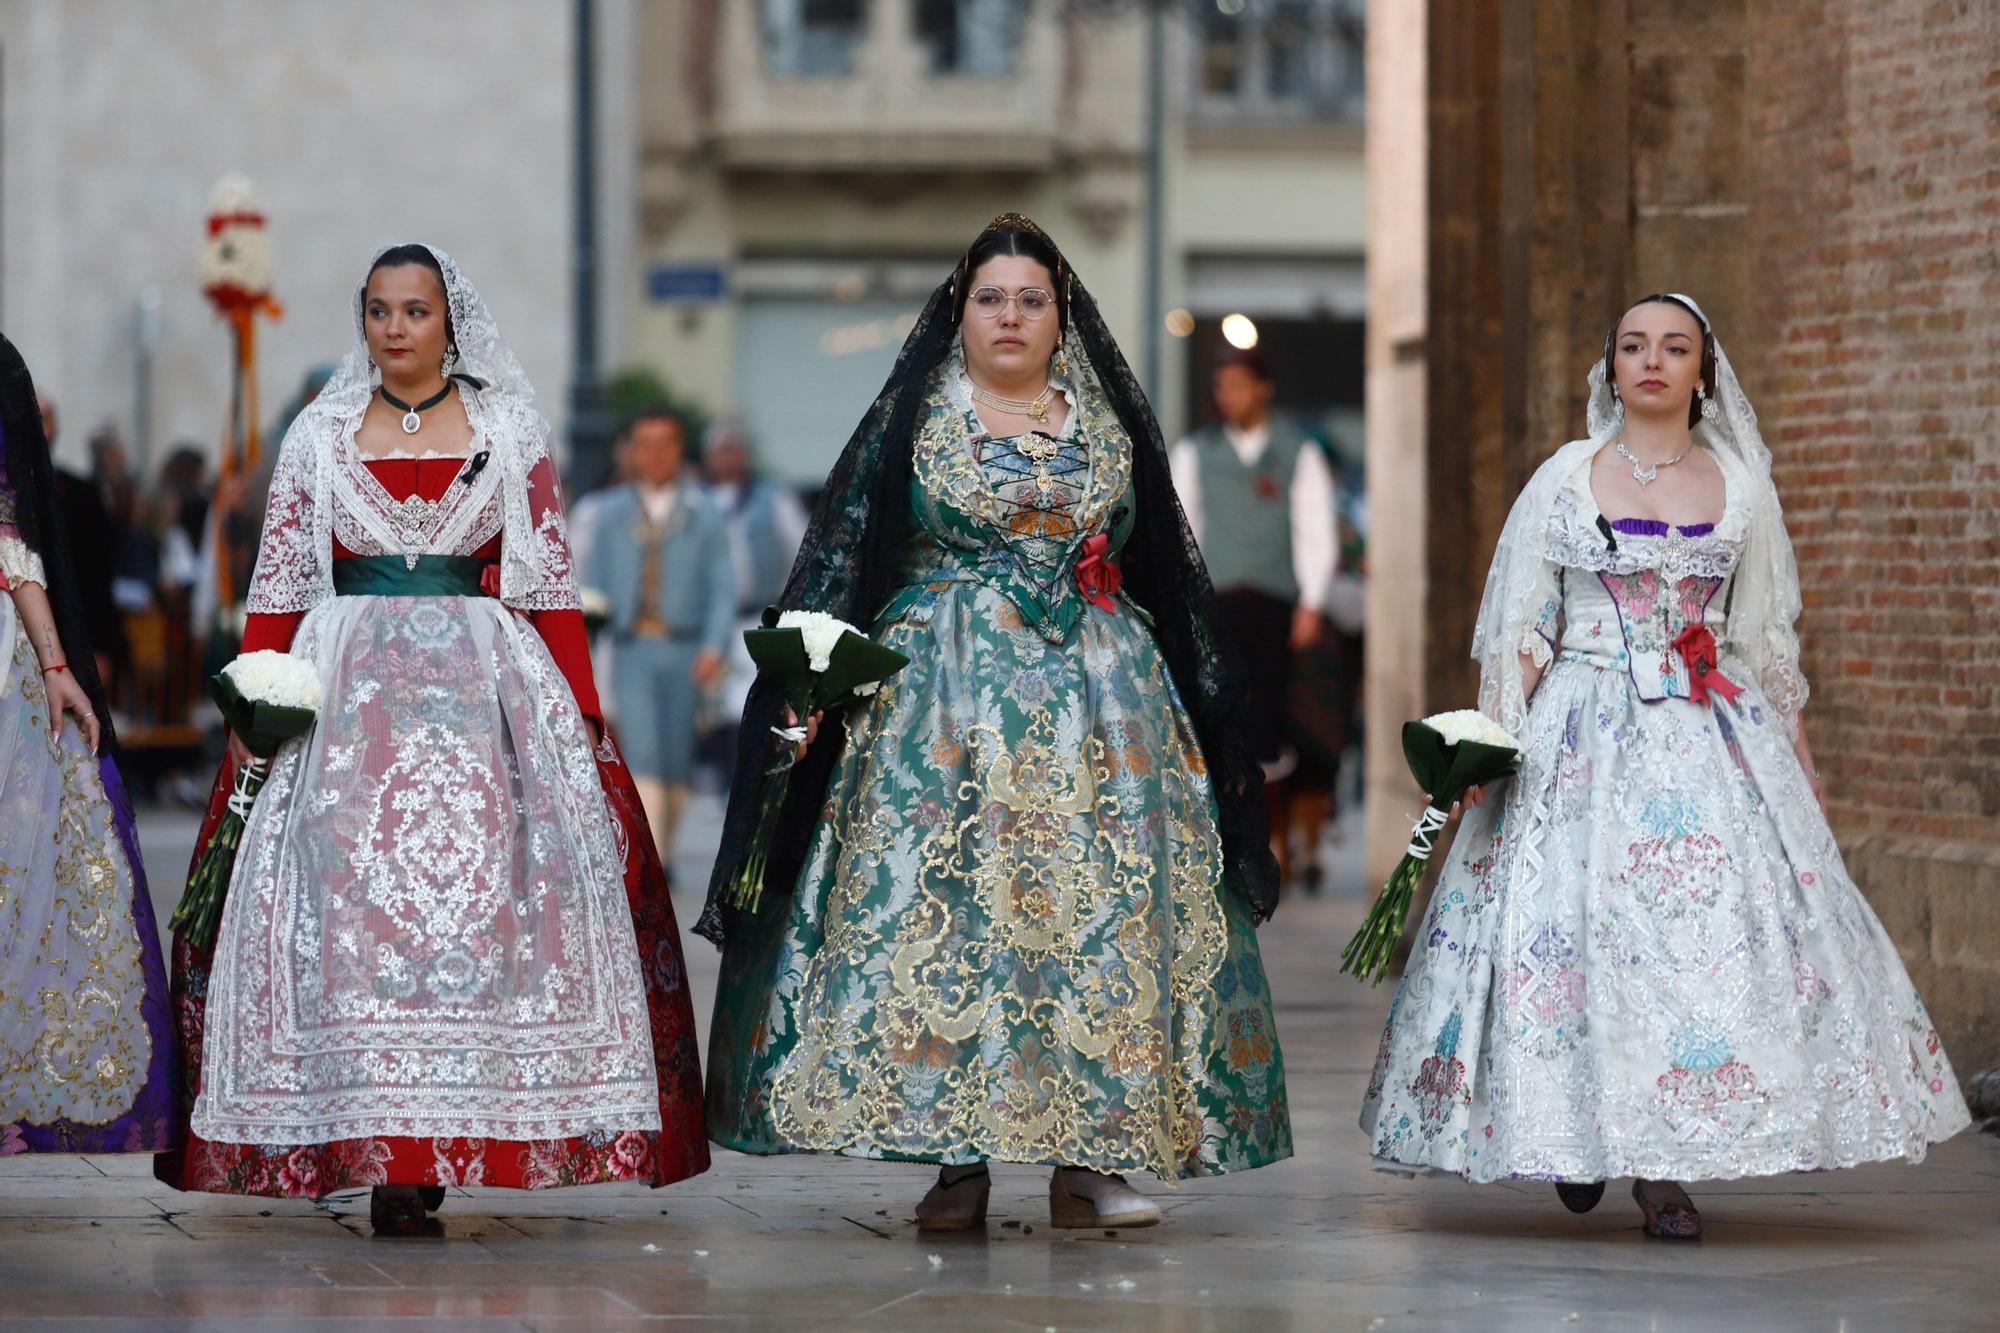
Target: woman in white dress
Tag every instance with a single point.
(1645, 957)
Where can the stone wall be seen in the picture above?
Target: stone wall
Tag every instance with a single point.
(1822, 175)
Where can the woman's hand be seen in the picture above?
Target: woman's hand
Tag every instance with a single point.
(239, 753)
(812, 728)
(1307, 626)
(66, 696)
(1473, 796)
(596, 732)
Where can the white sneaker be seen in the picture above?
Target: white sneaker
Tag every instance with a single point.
(958, 1206)
(1082, 1198)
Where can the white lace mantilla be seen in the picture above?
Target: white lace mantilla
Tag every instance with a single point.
(322, 488)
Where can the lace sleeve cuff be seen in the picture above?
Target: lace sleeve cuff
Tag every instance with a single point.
(18, 561)
(1539, 647)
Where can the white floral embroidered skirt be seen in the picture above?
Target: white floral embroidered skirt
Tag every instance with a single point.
(1646, 958)
(427, 933)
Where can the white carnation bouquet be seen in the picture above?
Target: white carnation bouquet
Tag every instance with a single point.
(1447, 753)
(267, 698)
(818, 662)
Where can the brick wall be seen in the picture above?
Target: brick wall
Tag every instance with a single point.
(1876, 220)
(1878, 227)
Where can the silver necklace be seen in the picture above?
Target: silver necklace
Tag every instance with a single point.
(1647, 473)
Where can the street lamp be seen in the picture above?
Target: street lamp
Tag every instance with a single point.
(1156, 12)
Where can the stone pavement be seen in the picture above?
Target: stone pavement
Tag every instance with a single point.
(1319, 1242)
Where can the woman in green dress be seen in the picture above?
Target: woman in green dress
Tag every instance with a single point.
(1010, 912)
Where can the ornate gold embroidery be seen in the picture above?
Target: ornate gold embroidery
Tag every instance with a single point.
(77, 1046)
(1061, 892)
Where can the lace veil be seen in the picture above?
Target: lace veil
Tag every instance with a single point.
(1764, 602)
(294, 563)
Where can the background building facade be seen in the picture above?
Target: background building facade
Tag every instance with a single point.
(362, 124)
(1819, 173)
(811, 168)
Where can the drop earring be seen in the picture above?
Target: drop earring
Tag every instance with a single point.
(1709, 410)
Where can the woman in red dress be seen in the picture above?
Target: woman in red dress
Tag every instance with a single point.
(448, 955)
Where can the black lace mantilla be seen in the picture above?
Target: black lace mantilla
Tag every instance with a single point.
(850, 562)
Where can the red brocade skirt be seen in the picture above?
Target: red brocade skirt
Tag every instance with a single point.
(676, 1151)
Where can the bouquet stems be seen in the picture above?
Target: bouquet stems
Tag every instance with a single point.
(1368, 954)
(747, 889)
(200, 911)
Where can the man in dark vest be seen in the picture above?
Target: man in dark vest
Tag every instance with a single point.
(1259, 494)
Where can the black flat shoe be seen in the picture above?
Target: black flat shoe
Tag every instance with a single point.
(397, 1210)
(1580, 1196)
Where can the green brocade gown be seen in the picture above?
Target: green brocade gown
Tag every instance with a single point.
(1010, 939)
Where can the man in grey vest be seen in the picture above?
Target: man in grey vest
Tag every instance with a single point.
(660, 555)
(1259, 495)
(766, 524)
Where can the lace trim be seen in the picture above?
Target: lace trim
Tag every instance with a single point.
(944, 464)
(1575, 541)
(19, 561)
(427, 456)
(323, 489)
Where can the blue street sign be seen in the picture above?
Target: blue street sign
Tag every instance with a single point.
(685, 282)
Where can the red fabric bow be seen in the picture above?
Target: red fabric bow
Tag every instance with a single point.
(1096, 577)
(1696, 645)
(489, 580)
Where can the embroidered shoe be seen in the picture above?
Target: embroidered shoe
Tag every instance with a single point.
(956, 1202)
(1082, 1198)
(1670, 1214)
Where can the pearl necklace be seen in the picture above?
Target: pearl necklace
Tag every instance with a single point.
(1036, 408)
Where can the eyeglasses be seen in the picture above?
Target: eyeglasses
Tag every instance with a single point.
(1033, 302)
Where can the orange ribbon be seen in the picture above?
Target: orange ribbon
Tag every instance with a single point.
(1696, 645)
(1096, 577)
